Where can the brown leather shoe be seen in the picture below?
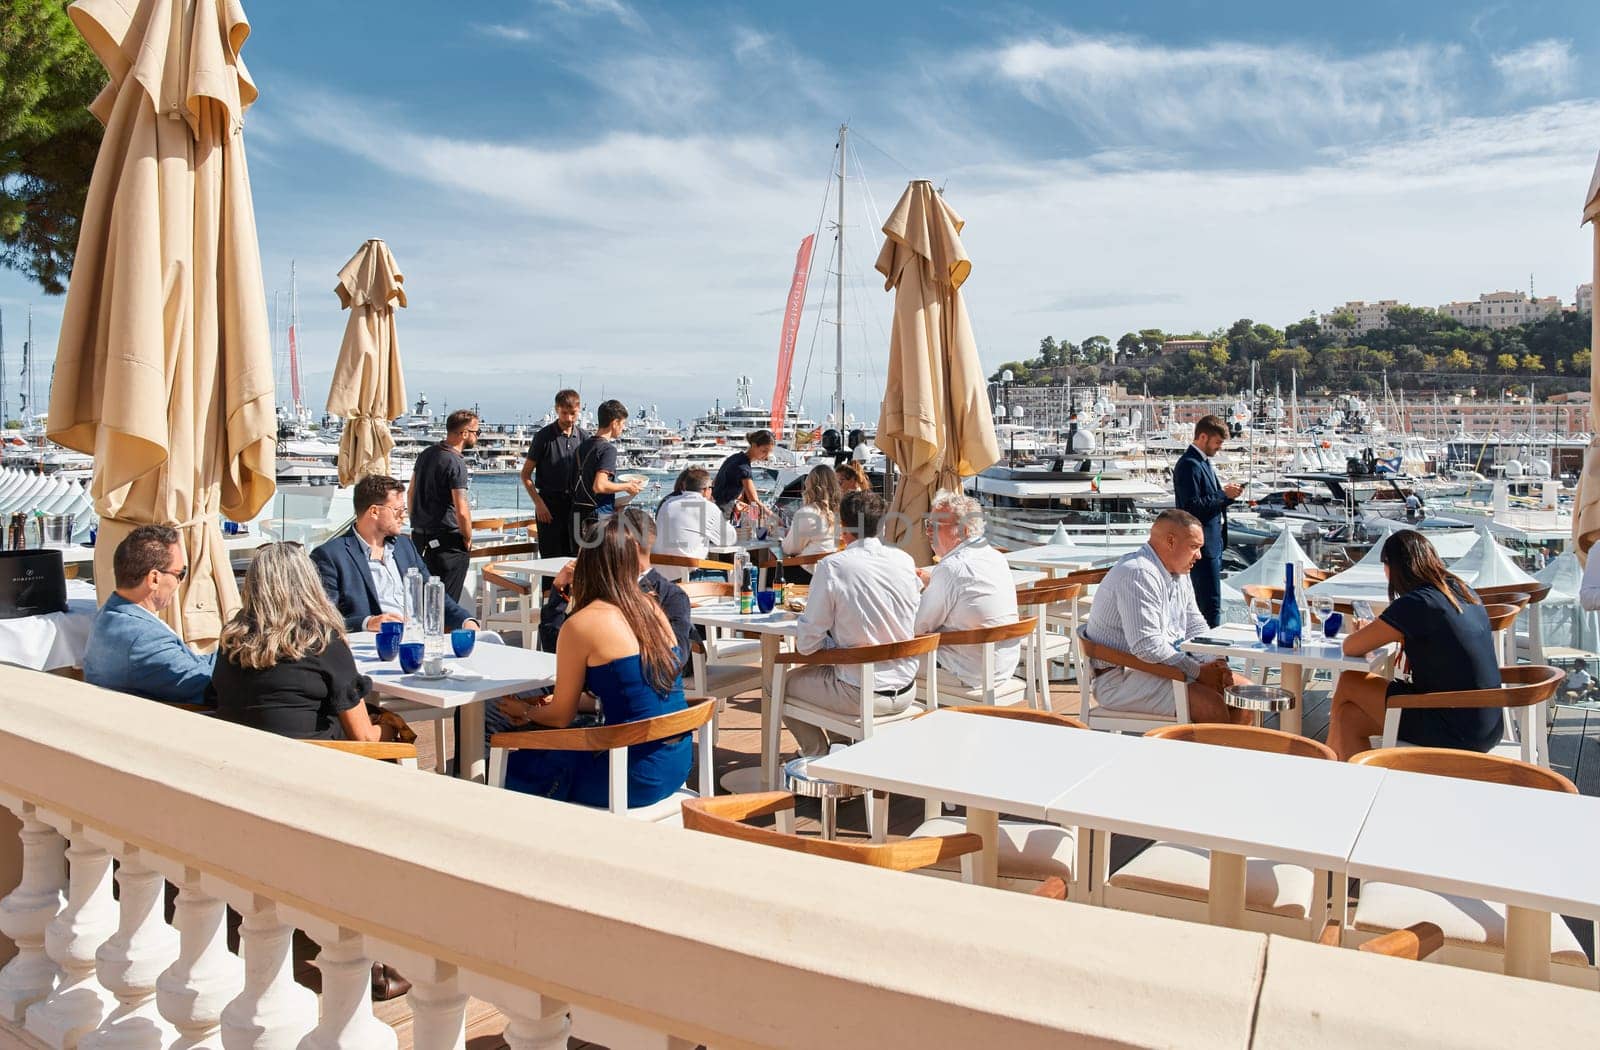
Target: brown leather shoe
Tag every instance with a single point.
(387, 983)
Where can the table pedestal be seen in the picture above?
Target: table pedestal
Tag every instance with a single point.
(1527, 943)
(1225, 901)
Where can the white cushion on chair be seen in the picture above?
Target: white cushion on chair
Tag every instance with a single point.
(733, 650)
(666, 811)
(1466, 921)
(1011, 691)
(1027, 851)
(792, 706)
(724, 680)
(1174, 870)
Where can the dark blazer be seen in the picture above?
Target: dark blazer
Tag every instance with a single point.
(674, 602)
(342, 564)
(1195, 486)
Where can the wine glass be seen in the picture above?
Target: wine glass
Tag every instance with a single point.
(1321, 608)
(1261, 611)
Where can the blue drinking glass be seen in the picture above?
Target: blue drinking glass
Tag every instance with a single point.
(1331, 624)
(1269, 631)
(411, 656)
(388, 645)
(462, 640)
(765, 600)
(393, 627)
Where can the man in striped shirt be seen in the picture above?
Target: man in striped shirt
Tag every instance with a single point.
(1145, 607)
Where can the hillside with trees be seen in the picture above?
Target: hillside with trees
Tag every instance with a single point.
(1420, 349)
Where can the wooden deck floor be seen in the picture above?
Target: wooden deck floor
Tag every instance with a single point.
(1574, 748)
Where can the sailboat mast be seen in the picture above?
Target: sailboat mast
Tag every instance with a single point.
(838, 299)
(27, 371)
(3, 413)
(294, 350)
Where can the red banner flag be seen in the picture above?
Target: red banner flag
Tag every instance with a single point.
(791, 328)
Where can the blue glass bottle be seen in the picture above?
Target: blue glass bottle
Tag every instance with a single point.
(1289, 613)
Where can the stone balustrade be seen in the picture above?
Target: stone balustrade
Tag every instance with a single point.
(577, 923)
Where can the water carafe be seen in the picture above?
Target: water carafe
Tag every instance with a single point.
(414, 605)
(1289, 613)
(433, 616)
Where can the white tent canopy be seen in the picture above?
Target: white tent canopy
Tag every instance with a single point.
(1488, 564)
(1564, 620)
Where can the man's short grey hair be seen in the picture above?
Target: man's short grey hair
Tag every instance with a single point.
(1172, 517)
(963, 508)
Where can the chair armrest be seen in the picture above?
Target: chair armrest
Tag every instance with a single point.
(1053, 888)
(1093, 650)
(1417, 941)
(740, 807)
(864, 654)
(1525, 685)
(495, 579)
(604, 738)
(383, 750)
(984, 635)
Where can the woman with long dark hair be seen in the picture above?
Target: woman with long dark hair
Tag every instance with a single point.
(1444, 633)
(618, 645)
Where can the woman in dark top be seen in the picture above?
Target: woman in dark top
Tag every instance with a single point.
(283, 664)
(1444, 633)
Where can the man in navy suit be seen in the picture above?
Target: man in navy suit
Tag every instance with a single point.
(1200, 492)
(364, 570)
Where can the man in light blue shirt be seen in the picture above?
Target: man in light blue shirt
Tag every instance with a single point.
(131, 649)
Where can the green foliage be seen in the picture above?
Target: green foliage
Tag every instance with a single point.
(48, 139)
(1506, 362)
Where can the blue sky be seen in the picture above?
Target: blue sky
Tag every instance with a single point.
(610, 193)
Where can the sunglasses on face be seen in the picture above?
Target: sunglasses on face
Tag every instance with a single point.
(181, 575)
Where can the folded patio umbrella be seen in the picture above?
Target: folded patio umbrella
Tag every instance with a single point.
(368, 388)
(934, 422)
(164, 368)
(1586, 507)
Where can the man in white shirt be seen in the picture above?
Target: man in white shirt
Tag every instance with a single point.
(688, 523)
(1145, 607)
(866, 594)
(970, 588)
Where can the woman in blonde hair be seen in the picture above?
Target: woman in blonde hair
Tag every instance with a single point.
(852, 479)
(617, 644)
(815, 528)
(283, 664)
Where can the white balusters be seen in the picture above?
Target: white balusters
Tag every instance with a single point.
(132, 959)
(533, 1021)
(437, 1000)
(272, 1012)
(80, 1002)
(347, 1020)
(26, 912)
(193, 991)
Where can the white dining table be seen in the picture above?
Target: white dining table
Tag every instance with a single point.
(1239, 642)
(538, 569)
(989, 765)
(771, 628)
(490, 672)
(1233, 802)
(49, 641)
(1533, 851)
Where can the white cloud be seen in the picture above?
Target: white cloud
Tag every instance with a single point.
(1126, 90)
(586, 8)
(514, 34)
(1543, 68)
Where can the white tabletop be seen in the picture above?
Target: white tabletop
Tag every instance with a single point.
(1513, 845)
(983, 762)
(1026, 577)
(535, 566)
(499, 670)
(1302, 810)
(725, 613)
(1241, 644)
(52, 640)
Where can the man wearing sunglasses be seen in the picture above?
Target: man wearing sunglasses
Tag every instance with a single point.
(131, 649)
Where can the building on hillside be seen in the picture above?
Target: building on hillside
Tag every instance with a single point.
(1502, 309)
(1183, 346)
(1369, 316)
(1585, 298)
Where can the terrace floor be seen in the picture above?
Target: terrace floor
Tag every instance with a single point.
(1574, 746)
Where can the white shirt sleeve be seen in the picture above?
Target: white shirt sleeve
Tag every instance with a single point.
(1142, 606)
(933, 609)
(811, 629)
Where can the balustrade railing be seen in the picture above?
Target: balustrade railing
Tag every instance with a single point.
(578, 923)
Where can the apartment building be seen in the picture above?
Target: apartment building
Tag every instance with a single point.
(1369, 316)
(1502, 309)
(1183, 346)
(1585, 299)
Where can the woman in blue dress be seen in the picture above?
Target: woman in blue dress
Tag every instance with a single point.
(1443, 630)
(618, 645)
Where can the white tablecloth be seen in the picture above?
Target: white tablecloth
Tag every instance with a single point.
(45, 643)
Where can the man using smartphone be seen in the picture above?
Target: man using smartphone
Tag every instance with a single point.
(1199, 491)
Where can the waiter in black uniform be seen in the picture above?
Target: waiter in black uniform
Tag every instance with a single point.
(549, 473)
(441, 516)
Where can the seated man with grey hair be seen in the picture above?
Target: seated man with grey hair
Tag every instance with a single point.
(969, 588)
(1146, 608)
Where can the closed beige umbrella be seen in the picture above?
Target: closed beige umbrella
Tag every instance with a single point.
(368, 388)
(934, 423)
(1586, 517)
(164, 369)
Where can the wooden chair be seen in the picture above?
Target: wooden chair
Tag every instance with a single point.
(1473, 930)
(856, 726)
(1057, 605)
(1097, 717)
(1535, 593)
(1523, 693)
(720, 646)
(1415, 942)
(683, 561)
(382, 750)
(1174, 880)
(615, 740)
(510, 603)
(1028, 852)
(1011, 691)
